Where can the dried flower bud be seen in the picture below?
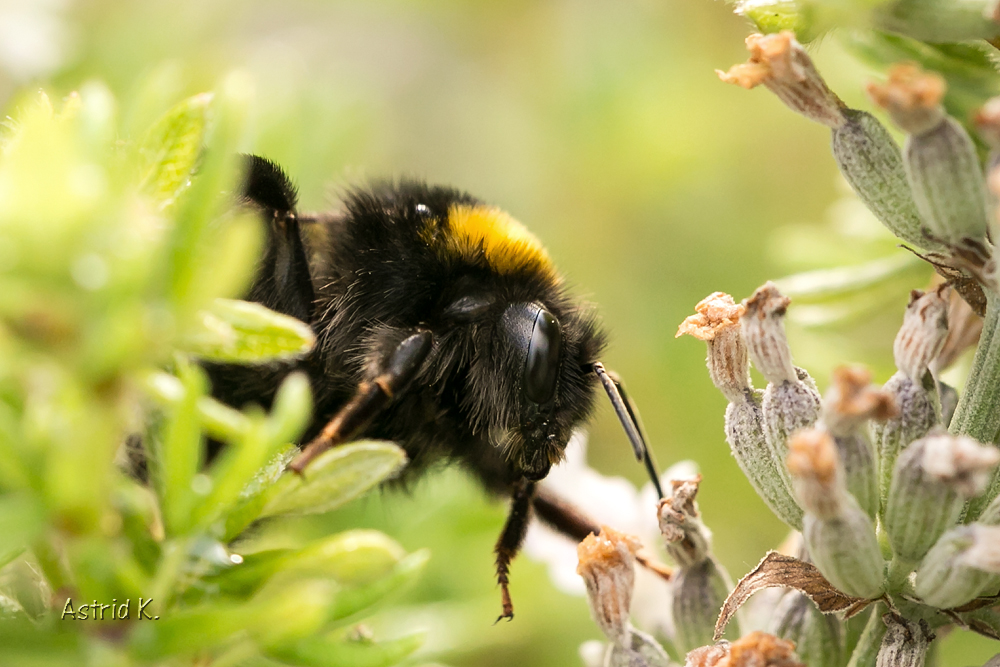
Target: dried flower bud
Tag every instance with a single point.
(816, 635)
(779, 62)
(757, 649)
(717, 323)
(688, 540)
(905, 643)
(790, 401)
(872, 164)
(840, 536)
(852, 400)
(607, 565)
(924, 330)
(697, 594)
(911, 96)
(932, 479)
(849, 403)
(764, 331)
(960, 566)
(939, 157)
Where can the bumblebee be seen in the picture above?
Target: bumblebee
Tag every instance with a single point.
(442, 325)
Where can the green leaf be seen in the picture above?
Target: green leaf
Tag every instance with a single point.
(171, 148)
(178, 457)
(335, 477)
(219, 420)
(826, 285)
(296, 610)
(351, 601)
(22, 519)
(337, 651)
(243, 332)
(352, 558)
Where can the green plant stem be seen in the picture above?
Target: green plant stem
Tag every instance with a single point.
(866, 652)
(978, 411)
(899, 575)
(163, 585)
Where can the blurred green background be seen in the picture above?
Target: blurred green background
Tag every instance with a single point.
(600, 125)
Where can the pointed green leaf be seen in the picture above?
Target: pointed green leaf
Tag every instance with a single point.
(343, 652)
(241, 332)
(335, 477)
(171, 148)
(351, 601)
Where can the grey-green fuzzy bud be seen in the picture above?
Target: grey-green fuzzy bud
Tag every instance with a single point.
(848, 405)
(960, 566)
(816, 635)
(872, 164)
(786, 408)
(698, 594)
(642, 651)
(839, 535)
(947, 180)
(918, 414)
(932, 479)
(846, 551)
(905, 643)
(757, 460)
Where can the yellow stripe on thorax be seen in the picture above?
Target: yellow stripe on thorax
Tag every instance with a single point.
(505, 242)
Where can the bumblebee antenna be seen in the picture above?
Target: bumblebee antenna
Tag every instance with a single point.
(628, 415)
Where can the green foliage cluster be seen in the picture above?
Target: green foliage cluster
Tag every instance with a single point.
(117, 259)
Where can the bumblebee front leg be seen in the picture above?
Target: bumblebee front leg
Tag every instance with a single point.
(510, 541)
(370, 398)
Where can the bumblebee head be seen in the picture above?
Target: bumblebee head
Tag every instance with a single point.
(530, 384)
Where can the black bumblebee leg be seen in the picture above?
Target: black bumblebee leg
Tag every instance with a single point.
(628, 415)
(510, 541)
(370, 398)
(566, 519)
(283, 281)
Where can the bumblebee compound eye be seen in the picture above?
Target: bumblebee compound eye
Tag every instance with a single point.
(536, 335)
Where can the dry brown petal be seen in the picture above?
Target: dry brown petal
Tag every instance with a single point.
(779, 570)
(911, 96)
(715, 313)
